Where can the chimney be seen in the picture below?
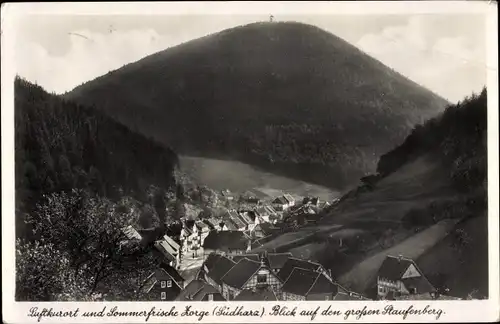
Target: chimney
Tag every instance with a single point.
(400, 257)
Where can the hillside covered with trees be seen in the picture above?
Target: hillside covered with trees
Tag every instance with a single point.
(80, 178)
(288, 97)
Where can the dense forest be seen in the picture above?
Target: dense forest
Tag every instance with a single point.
(458, 137)
(81, 177)
(285, 96)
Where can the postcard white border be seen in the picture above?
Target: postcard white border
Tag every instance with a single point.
(455, 311)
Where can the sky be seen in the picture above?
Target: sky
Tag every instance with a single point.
(445, 53)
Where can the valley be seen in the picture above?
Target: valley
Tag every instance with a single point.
(239, 177)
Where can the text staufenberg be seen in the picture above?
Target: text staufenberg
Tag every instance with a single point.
(309, 313)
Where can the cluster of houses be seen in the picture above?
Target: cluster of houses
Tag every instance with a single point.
(266, 276)
(280, 276)
(230, 271)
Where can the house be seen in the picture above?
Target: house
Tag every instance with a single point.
(214, 268)
(292, 263)
(278, 260)
(248, 217)
(233, 221)
(305, 284)
(257, 294)
(199, 290)
(169, 250)
(249, 274)
(281, 203)
(401, 276)
(164, 284)
(232, 242)
(312, 201)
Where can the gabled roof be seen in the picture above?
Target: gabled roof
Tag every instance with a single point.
(166, 250)
(305, 282)
(171, 242)
(323, 285)
(230, 224)
(393, 267)
(212, 260)
(281, 200)
(241, 273)
(421, 284)
(220, 268)
(162, 271)
(224, 240)
(256, 295)
(289, 198)
(174, 274)
(233, 216)
(278, 260)
(246, 218)
(300, 281)
(196, 290)
(292, 263)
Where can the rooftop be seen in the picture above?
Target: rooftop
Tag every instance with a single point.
(220, 268)
(304, 282)
(222, 240)
(292, 263)
(196, 290)
(393, 267)
(241, 272)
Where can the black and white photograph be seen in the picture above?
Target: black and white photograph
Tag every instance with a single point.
(267, 156)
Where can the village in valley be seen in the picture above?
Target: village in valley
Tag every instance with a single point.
(224, 257)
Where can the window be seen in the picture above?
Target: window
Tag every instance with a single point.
(163, 284)
(163, 295)
(262, 278)
(210, 297)
(169, 283)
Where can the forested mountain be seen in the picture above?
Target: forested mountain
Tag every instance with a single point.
(61, 145)
(289, 97)
(80, 178)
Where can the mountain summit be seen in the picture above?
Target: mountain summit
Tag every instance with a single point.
(284, 96)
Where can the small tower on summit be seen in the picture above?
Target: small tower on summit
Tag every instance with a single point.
(271, 18)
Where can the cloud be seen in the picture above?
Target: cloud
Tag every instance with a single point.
(452, 66)
(90, 55)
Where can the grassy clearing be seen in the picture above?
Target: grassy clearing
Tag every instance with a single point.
(240, 177)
